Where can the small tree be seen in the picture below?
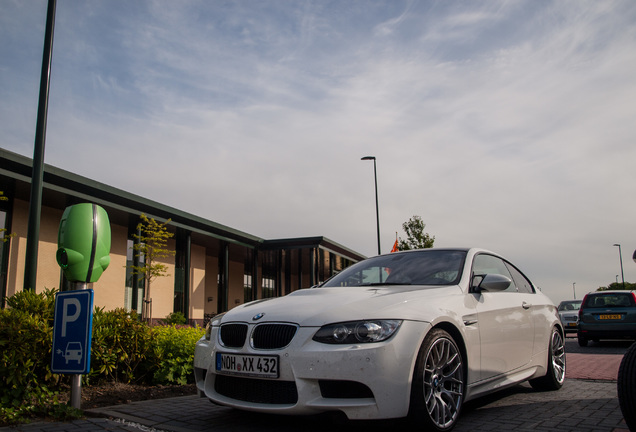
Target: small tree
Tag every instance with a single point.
(149, 249)
(416, 238)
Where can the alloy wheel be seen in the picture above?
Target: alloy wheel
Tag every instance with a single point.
(443, 382)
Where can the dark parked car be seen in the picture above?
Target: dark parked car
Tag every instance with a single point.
(607, 315)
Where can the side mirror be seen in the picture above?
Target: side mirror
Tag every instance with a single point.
(491, 282)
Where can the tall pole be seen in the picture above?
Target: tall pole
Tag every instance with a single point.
(620, 256)
(574, 289)
(377, 208)
(35, 202)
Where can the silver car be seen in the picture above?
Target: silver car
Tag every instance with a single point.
(569, 315)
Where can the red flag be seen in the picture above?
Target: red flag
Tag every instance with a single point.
(395, 246)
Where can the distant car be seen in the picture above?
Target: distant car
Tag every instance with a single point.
(607, 315)
(569, 314)
(413, 333)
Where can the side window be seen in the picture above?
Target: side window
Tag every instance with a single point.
(487, 264)
(523, 284)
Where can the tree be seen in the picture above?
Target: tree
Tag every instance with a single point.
(618, 286)
(416, 238)
(150, 248)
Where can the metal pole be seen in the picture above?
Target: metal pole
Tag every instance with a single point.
(35, 202)
(76, 390)
(377, 207)
(620, 256)
(76, 379)
(574, 289)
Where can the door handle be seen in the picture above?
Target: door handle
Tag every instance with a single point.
(526, 305)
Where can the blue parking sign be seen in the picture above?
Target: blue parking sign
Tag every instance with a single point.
(72, 328)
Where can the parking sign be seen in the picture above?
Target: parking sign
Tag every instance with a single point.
(72, 328)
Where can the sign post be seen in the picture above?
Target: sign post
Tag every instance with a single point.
(83, 254)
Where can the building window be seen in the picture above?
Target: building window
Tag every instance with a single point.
(269, 288)
(128, 295)
(247, 288)
(4, 254)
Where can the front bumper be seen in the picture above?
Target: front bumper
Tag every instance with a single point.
(364, 381)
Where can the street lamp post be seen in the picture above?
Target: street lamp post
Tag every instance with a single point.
(574, 289)
(377, 209)
(620, 256)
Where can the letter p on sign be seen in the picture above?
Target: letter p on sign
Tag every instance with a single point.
(68, 304)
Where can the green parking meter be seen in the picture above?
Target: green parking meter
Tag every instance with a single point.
(84, 243)
(83, 247)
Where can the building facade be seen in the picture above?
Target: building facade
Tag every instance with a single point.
(214, 267)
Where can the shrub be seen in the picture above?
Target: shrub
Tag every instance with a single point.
(123, 348)
(120, 347)
(27, 385)
(174, 318)
(38, 305)
(174, 353)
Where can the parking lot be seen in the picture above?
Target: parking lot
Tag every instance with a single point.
(587, 402)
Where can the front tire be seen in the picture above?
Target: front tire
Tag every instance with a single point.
(555, 375)
(626, 387)
(439, 382)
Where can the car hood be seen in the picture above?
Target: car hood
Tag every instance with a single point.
(319, 306)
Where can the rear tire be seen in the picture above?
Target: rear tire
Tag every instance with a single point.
(582, 341)
(439, 383)
(555, 375)
(626, 387)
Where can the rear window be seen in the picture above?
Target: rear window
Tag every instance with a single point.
(570, 305)
(609, 300)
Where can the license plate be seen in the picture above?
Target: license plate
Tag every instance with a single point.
(247, 365)
(571, 324)
(610, 317)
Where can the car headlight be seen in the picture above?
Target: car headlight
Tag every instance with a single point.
(354, 332)
(214, 322)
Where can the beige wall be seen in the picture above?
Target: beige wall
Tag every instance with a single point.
(197, 281)
(18, 247)
(110, 288)
(48, 271)
(162, 288)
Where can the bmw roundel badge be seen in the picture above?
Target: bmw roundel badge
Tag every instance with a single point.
(258, 316)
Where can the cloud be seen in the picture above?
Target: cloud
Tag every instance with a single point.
(507, 125)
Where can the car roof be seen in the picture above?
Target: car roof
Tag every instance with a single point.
(612, 292)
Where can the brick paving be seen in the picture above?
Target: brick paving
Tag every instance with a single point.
(586, 403)
(593, 366)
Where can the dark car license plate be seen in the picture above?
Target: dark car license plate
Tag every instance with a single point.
(610, 316)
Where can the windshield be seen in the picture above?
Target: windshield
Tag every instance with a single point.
(422, 267)
(570, 305)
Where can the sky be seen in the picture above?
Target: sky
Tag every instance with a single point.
(507, 125)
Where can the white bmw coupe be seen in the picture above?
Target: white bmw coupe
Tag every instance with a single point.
(414, 333)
